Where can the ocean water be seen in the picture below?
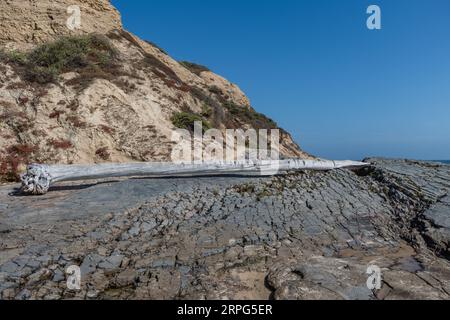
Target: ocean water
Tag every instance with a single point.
(443, 161)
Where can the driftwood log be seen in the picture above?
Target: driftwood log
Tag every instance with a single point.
(38, 177)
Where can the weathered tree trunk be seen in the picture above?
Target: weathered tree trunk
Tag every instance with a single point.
(38, 178)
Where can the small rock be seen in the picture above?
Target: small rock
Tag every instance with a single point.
(58, 276)
(90, 263)
(164, 263)
(126, 278)
(112, 262)
(9, 267)
(40, 275)
(25, 294)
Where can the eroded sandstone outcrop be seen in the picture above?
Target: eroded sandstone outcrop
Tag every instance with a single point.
(40, 21)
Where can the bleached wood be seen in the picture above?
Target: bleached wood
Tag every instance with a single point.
(38, 178)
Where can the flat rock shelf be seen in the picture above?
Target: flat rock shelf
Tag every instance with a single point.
(303, 235)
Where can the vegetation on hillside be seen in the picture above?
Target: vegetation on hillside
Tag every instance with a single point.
(186, 120)
(249, 116)
(194, 67)
(46, 62)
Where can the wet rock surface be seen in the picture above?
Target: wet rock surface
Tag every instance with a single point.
(309, 235)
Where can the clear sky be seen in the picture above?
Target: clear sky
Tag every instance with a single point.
(343, 91)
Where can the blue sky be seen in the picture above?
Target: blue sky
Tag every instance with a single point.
(343, 91)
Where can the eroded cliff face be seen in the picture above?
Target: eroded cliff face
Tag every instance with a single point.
(39, 21)
(95, 111)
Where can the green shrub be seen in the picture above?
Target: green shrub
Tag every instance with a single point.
(193, 67)
(185, 120)
(73, 52)
(206, 111)
(46, 62)
(215, 90)
(250, 116)
(12, 57)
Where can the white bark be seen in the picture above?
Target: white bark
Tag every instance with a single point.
(38, 178)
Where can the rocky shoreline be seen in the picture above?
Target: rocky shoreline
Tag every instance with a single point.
(308, 235)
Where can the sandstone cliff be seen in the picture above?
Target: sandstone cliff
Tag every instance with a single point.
(104, 97)
(38, 21)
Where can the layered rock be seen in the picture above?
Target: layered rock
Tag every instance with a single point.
(310, 235)
(39, 21)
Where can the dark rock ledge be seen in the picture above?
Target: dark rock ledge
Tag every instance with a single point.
(307, 235)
